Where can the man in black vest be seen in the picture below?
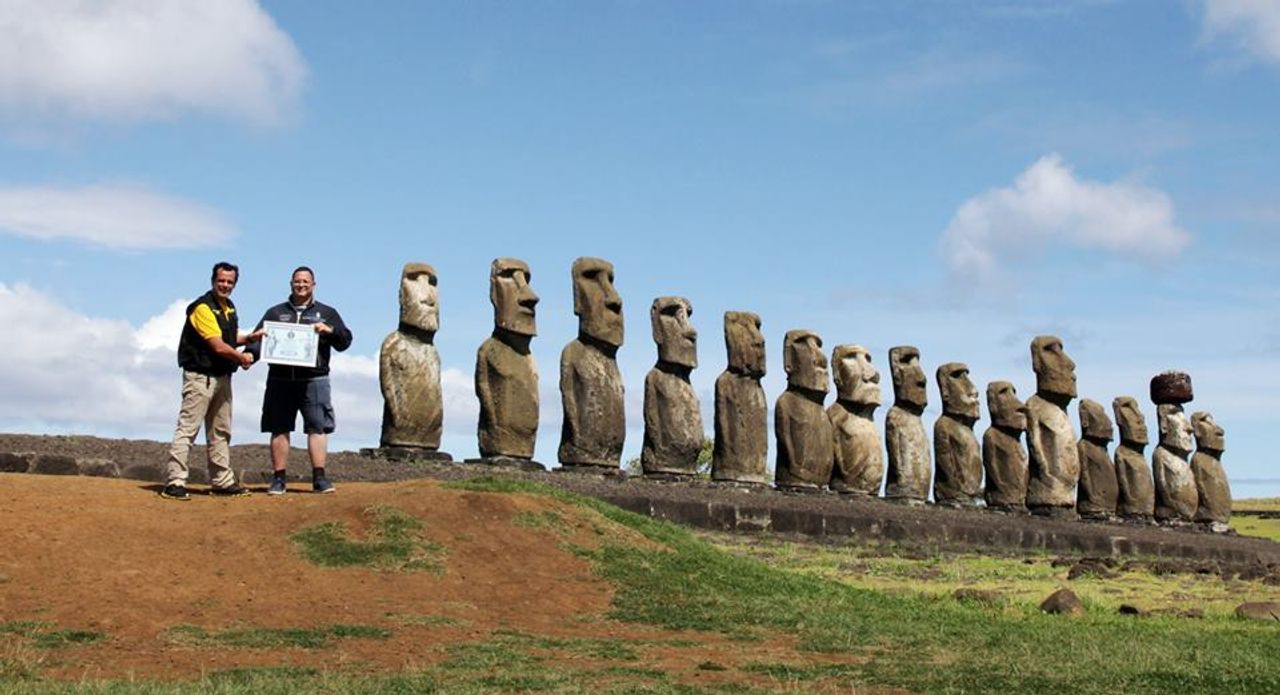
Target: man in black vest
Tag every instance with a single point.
(208, 357)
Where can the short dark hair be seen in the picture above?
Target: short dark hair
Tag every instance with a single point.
(223, 265)
(303, 269)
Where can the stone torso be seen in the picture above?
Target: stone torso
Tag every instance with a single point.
(1053, 462)
(1176, 496)
(1099, 490)
(413, 409)
(672, 424)
(741, 451)
(595, 425)
(1137, 497)
(1005, 462)
(804, 441)
(958, 461)
(859, 461)
(1211, 484)
(507, 386)
(907, 444)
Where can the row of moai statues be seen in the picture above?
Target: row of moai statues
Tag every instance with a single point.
(836, 447)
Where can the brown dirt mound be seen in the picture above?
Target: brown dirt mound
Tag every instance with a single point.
(111, 556)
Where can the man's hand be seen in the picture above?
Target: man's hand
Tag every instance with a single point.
(246, 359)
(256, 335)
(323, 328)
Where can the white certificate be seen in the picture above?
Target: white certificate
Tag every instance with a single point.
(294, 344)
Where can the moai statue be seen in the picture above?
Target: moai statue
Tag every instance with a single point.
(957, 480)
(1099, 490)
(859, 461)
(1211, 480)
(910, 468)
(1054, 463)
(1003, 457)
(1137, 498)
(409, 371)
(672, 420)
(1176, 496)
(805, 443)
(741, 450)
(595, 423)
(506, 375)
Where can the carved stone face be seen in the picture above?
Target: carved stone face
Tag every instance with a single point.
(857, 380)
(1055, 372)
(1175, 429)
(1005, 407)
(745, 343)
(595, 302)
(418, 297)
(1133, 427)
(676, 338)
(514, 303)
(1094, 422)
(804, 362)
(1209, 435)
(959, 395)
(908, 376)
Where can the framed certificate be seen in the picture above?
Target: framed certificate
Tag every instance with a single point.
(294, 344)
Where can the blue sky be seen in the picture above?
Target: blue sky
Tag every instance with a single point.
(960, 176)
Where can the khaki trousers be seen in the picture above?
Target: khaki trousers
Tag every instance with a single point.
(207, 400)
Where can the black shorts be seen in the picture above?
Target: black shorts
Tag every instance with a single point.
(285, 399)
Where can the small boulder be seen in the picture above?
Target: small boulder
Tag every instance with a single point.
(54, 464)
(15, 463)
(1258, 610)
(1063, 601)
(1127, 609)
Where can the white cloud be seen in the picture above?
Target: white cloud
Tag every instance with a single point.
(1253, 25)
(1048, 205)
(112, 215)
(141, 60)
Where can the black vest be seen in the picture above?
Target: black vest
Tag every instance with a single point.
(194, 353)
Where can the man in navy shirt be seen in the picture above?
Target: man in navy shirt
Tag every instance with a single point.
(292, 390)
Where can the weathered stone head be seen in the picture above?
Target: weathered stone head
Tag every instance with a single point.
(959, 395)
(857, 380)
(1175, 430)
(595, 302)
(745, 343)
(908, 377)
(513, 299)
(1133, 426)
(804, 362)
(1094, 423)
(1055, 372)
(1209, 434)
(1005, 407)
(676, 338)
(419, 306)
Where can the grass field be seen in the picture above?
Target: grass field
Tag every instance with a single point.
(862, 619)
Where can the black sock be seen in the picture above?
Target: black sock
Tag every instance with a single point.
(317, 473)
(279, 475)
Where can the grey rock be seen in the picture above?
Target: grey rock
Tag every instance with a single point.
(1062, 602)
(1099, 490)
(1136, 497)
(859, 457)
(506, 378)
(805, 440)
(957, 458)
(673, 431)
(591, 391)
(409, 366)
(1003, 457)
(907, 444)
(1176, 494)
(1258, 610)
(1212, 488)
(741, 450)
(1053, 460)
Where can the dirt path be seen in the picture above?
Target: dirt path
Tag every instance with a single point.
(111, 556)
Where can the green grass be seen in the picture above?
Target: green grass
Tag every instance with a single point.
(918, 642)
(1256, 527)
(265, 637)
(39, 634)
(1256, 504)
(394, 543)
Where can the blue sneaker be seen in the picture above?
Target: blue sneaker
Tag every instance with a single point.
(322, 485)
(277, 487)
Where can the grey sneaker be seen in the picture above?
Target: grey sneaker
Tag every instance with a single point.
(322, 485)
(174, 491)
(277, 487)
(232, 490)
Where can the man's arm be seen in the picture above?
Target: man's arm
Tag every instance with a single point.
(335, 331)
(253, 341)
(203, 320)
